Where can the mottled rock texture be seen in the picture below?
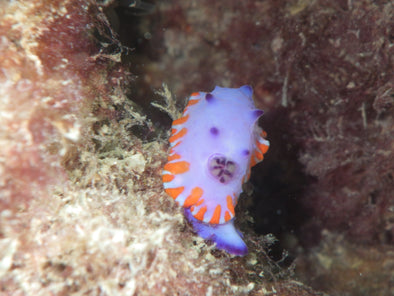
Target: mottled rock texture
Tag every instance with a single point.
(323, 73)
(82, 209)
(325, 68)
(355, 269)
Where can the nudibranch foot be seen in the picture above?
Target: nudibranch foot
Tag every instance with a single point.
(226, 236)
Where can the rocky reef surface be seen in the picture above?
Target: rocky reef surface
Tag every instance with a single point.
(82, 209)
(323, 73)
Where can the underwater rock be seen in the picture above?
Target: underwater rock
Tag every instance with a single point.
(82, 209)
(325, 69)
(322, 71)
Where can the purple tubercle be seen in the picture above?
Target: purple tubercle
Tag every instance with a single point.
(214, 131)
(247, 90)
(257, 113)
(245, 152)
(209, 98)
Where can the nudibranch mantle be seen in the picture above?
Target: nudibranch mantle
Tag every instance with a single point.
(213, 147)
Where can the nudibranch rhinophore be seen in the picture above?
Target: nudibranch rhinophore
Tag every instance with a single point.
(213, 147)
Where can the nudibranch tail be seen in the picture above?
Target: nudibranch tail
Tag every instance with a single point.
(226, 236)
(214, 145)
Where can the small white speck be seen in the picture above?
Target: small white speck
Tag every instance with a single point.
(209, 291)
(350, 85)
(147, 35)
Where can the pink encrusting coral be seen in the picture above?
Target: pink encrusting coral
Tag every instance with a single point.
(38, 104)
